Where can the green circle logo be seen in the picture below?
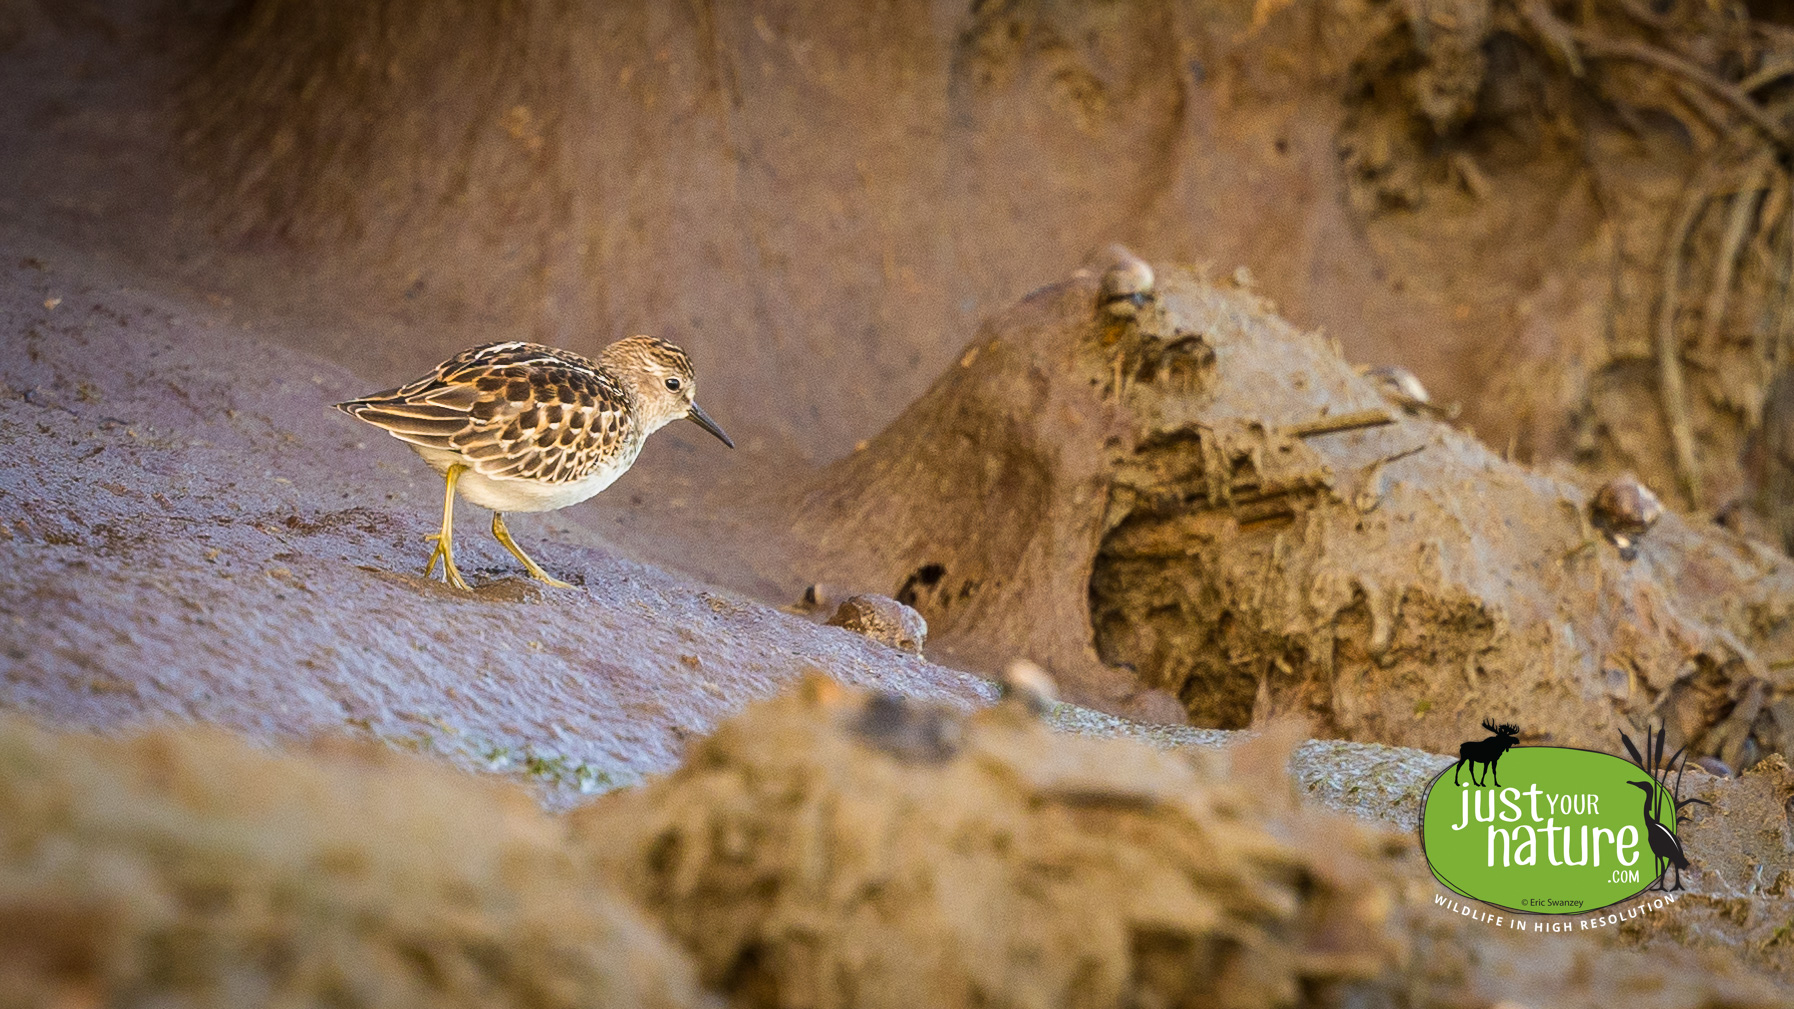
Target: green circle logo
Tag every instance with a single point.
(1552, 830)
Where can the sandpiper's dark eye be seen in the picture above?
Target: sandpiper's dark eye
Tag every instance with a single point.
(673, 385)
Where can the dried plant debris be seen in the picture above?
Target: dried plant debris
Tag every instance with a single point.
(1660, 133)
(187, 868)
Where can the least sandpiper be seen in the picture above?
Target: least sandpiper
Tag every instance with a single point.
(519, 427)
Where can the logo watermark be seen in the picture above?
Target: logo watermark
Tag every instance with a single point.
(1572, 832)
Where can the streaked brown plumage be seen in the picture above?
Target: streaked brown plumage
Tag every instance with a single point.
(523, 427)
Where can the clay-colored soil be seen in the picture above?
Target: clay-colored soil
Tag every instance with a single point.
(821, 849)
(219, 217)
(827, 849)
(830, 850)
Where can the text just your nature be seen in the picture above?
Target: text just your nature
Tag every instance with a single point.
(1519, 845)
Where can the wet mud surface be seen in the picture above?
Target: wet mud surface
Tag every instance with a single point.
(191, 532)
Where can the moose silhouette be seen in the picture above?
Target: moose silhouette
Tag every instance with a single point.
(1486, 752)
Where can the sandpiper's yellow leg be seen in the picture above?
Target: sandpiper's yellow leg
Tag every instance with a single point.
(535, 570)
(445, 540)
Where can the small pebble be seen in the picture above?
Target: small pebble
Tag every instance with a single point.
(818, 596)
(1624, 510)
(1024, 682)
(1714, 766)
(1127, 281)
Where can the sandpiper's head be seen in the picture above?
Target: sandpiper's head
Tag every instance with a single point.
(663, 382)
(1647, 786)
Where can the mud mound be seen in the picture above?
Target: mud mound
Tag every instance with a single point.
(1208, 501)
(189, 869)
(826, 849)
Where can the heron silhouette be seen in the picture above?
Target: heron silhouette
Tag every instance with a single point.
(1664, 844)
(1663, 840)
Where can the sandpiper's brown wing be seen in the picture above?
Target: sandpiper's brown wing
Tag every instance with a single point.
(516, 410)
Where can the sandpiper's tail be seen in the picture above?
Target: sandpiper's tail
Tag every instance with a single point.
(396, 412)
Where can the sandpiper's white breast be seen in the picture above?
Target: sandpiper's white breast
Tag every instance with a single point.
(510, 494)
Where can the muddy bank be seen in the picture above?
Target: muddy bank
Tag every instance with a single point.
(1203, 500)
(1743, 848)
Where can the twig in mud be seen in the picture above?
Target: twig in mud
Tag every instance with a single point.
(1744, 208)
(1399, 456)
(1643, 53)
(1784, 317)
(1370, 485)
(1774, 71)
(1354, 421)
(1556, 32)
(1764, 234)
(1643, 14)
(1708, 111)
(1671, 388)
(1553, 31)
(1581, 548)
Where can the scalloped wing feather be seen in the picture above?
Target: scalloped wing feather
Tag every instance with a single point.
(510, 411)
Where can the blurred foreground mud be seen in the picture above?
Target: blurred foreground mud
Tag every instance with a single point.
(829, 849)
(187, 868)
(824, 849)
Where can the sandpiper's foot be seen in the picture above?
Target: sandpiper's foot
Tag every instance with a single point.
(503, 535)
(450, 573)
(445, 540)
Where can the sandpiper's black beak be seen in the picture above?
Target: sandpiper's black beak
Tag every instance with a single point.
(699, 417)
